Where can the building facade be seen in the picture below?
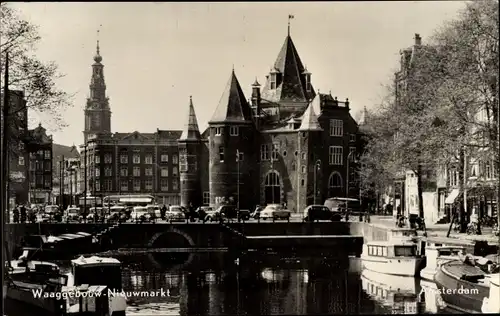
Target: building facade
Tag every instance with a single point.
(288, 144)
(125, 163)
(39, 146)
(65, 161)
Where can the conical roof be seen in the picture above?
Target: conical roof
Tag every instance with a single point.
(190, 130)
(310, 120)
(292, 87)
(233, 106)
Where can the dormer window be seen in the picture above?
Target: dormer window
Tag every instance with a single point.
(273, 81)
(308, 82)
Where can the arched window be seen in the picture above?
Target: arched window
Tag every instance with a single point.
(335, 184)
(272, 188)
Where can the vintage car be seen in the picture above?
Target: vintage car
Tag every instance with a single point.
(275, 211)
(321, 212)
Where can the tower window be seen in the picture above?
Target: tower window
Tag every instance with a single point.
(218, 131)
(234, 130)
(308, 82)
(336, 127)
(221, 154)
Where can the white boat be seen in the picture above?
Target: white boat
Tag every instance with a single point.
(95, 275)
(436, 256)
(395, 257)
(491, 304)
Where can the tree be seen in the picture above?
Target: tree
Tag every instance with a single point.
(26, 72)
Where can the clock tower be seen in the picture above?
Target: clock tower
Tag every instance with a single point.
(97, 111)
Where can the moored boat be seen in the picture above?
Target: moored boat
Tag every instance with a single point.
(95, 275)
(436, 256)
(395, 257)
(463, 285)
(491, 304)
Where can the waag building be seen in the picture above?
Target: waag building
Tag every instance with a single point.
(287, 143)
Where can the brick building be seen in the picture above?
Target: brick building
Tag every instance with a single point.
(125, 163)
(66, 164)
(39, 146)
(288, 144)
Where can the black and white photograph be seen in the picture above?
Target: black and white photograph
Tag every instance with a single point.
(250, 158)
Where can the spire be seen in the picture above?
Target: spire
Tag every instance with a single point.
(289, 85)
(290, 16)
(362, 118)
(97, 57)
(233, 106)
(309, 118)
(191, 131)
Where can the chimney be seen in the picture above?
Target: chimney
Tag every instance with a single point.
(418, 39)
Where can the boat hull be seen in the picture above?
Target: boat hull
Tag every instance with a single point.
(402, 266)
(459, 294)
(22, 299)
(491, 304)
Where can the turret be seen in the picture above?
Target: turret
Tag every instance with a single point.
(310, 165)
(189, 154)
(256, 102)
(231, 149)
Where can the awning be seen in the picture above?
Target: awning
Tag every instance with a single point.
(450, 199)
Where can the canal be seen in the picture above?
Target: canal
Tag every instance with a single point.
(251, 283)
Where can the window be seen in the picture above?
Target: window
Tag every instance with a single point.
(308, 82)
(303, 169)
(335, 181)
(97, 159)
(264, 152)
(404, 251)
(124, 172)
(303, 156)
(48, 165)
(149, 159)
(164, 172)
(206, 198)
(275, 153)
(124, 185)
(284, 153)
(175, 159)
(21, 161)
(336, 127)
(352, 138)
(47, 183)
(137, 159)
(164, 184)
(218, 131)
(183, 166)
(148, 172)
(296, 153)
(137, 171)
(97, 186)
(239, 156)
(123, 158)
(32, 166)
(175, 185)
(175, 171)
(39, 180)
(47, 154)
(352, 153)
(384, 251)
(452, 177)
(108, 185)
(21, 146)
(302, 182)
(221, 154)
(272, 81)
(234, 130)
(108, 158)
(148, 184)
(335, 155)
(164, 158)
(108, 172)
(137, 185)
(490, 170)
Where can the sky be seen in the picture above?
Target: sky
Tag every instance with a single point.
(157, 54)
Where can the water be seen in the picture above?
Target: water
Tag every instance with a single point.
(221, 283)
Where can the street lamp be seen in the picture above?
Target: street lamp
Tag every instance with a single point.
(317, 166)
(347, 175)
(238, 178)
(271, 179)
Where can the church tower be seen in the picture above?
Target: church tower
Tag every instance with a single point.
(97, 111)
(189, 154)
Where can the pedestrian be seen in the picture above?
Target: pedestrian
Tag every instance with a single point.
(163, 212)
(23, 214)
(15, 211)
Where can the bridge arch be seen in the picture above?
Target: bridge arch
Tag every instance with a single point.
(160, 235)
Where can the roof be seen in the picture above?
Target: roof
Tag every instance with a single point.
(191, 130)
(159, 134)
(95, 261)
(310, 119)
(292, 87)
(62, 150)
(39, 135)
(233, 106)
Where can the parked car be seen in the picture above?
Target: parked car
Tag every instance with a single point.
(117, 213)
(95, 214)
(275, 211)
(232, 212)
(72, 214)
(202, 211)
(154, 211)
(213, 215)
(175, 213)
(140, 214)
(321, 212)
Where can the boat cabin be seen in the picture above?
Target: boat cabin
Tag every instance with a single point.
(97, 271)
(390, 250)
